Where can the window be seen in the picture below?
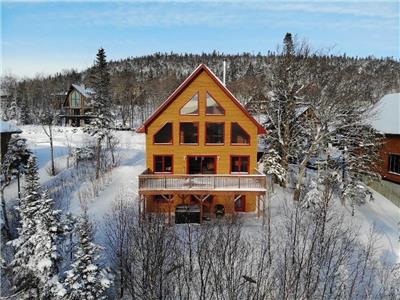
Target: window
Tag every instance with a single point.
(202, 164)
(212, 107)
(164, 135)
(394, 163)
(191, 107)
(189, 133)
(75, 99)
(163, 163)
(240, 202)
(214, 133)
(238, 135)
(239, 164)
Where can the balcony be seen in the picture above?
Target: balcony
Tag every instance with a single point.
(150, 184)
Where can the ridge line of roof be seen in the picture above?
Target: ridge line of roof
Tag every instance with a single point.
(194, 74)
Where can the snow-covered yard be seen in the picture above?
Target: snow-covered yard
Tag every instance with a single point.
(380, 213)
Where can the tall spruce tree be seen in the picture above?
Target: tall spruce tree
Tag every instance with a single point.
(14, 164)
(86, 279)
(102, 116)
(34, 267)
(25, 280)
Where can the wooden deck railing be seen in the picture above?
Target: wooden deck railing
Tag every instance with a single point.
(218, 182)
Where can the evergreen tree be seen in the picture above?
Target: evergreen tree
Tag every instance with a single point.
(34, 266)
(25, 279)
(14, 164)
(86, 279)
(102, 120)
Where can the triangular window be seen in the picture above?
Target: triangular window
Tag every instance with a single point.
(239, 135)
(192, 106)
(213, 107)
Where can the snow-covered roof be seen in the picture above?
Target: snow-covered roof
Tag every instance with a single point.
(85, 91)
(386, 117)
(8, 127)
(301, 110)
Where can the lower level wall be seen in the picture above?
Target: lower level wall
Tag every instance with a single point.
(154, 204)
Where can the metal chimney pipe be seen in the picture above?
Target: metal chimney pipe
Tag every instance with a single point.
(224, 72)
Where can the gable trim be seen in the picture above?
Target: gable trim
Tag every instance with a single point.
(184, 84)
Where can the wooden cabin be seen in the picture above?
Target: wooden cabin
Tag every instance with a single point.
(387, 121)
(7, 129)
(77, 104)
(201, 150)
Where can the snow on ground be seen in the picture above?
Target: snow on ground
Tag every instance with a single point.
(380, 213)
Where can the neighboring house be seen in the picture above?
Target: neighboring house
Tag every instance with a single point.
(387, 121)
(7, 129)
(77, 104)
(201, 150)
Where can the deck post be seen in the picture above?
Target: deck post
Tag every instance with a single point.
(169, 212)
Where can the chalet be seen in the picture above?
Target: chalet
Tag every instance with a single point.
(387, 121)
(77, 104)
(7, 129)
(201, 150)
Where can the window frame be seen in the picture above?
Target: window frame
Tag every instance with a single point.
(239, 144)
(198, 105)
(202, 155)
(163, 164)
(198, 134)
(223, 114)
(74, 92)
(390, 155)
(205, 134)
(172, 134)
(244, 203)
(240, 164)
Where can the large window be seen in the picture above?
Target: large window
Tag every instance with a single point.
(202, 164)
(394, 163)
(163, 163)
(192, 106)
(213, 107)
(164, 135)
(189, 133)
(240, 164)
(75, 99)
(214, 133)
(239, 135)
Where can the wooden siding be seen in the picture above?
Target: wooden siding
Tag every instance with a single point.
(202, 84)
(391, 146)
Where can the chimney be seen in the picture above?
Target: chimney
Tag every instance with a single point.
(224, 72)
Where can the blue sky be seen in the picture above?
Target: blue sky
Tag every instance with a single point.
(48, 36)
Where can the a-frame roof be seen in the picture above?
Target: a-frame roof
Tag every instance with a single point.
(201, 68)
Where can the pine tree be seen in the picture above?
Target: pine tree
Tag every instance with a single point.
(14, 163)
(34, 266)
(102, 120)
(46, 257)
(86, 279)
(25, 280)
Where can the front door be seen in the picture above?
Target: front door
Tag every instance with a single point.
(202, 165)
(240, 203)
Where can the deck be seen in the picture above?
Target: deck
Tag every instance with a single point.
(150, 184)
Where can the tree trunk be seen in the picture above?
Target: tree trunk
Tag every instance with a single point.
(4, 211)
(19, 185)
(98, 151)
(53, 170)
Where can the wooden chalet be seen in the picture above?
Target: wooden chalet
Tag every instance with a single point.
(387, 121)
(7, 129)
(201, 150)
(77, 104)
